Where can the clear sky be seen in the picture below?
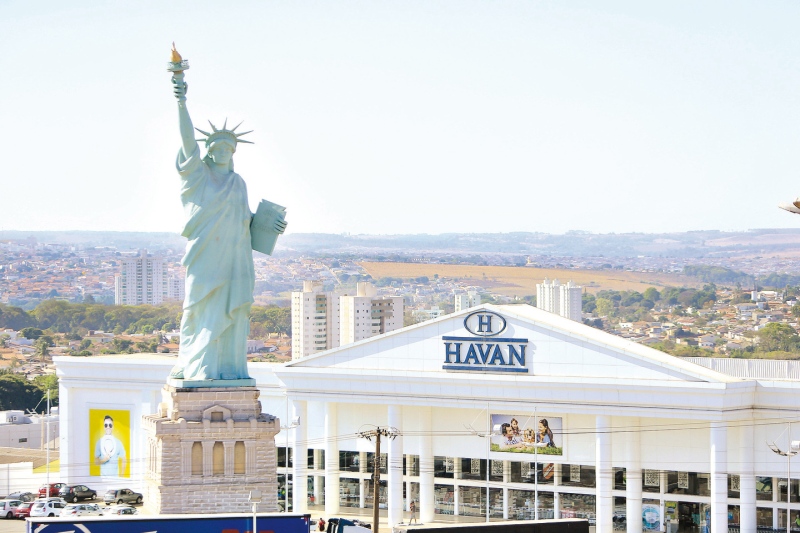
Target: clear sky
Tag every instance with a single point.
(409, 116)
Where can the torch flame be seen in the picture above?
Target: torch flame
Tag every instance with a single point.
(176, 57)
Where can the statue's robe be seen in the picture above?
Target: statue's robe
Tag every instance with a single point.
(219, 273)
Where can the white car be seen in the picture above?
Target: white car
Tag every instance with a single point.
(121, 510)
(7, 507)
(81, 509)
(48, 507)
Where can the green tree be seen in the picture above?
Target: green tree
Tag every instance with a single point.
(604, 307)
(16, 392)
(652, 294)
(776, 336)
(31, 333)
(42, 349)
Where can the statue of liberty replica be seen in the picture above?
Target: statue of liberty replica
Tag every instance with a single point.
(219, 256)
(209, 444)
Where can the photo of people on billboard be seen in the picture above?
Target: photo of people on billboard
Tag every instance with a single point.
(110, 437)
(527, 434)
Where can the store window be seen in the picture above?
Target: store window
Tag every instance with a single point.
(349, 461)
(472, 468)
(733, 486)
(412, 465)
(522, 505)
(733, 515)
(443, 499)
(651, 481)
(619, 478)
(764, 490)
(443, 467)
(782, 489)
(578, 506)
(349, 492)
(369, 497)
(525, 472)
(764, 517)
(577, 475)
(473, 502)
(692, 483)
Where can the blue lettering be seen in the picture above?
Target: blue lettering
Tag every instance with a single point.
(471, 355)
(497, 355)
(484, 321)
(512, 354)
(448, 352)
(485, 356)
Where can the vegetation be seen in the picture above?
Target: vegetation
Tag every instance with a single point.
(75, 320)
(16, 392)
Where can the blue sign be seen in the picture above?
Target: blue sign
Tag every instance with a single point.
(485, 323)
(240, 523)
(485, 352)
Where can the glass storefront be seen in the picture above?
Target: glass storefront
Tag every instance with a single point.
(349, 492)
(522, 505)
(577, 475)
(578, 506)
(692, 483)
(763, 517)
(764, 490)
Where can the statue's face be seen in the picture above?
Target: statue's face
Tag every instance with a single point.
(221, 153)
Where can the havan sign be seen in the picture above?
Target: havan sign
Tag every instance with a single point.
(485, 351)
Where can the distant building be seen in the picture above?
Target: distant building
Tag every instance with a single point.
(422, 315)
(141, 280)
(465, 301)
(315, 320)
(366, 314)
(176, 287)
(564, 300)
(324, 320)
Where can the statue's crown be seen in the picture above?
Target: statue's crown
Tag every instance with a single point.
(224, 133)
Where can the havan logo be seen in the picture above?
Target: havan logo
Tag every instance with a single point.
(485, 352)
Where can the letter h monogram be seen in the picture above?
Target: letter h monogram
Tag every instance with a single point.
(484, 321)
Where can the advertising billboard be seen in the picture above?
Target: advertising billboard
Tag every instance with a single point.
(526, 434)
(110, 440)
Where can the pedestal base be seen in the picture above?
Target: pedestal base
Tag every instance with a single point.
(210, 383)
(207, 448)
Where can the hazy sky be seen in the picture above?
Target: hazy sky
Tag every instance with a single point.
(409, 116)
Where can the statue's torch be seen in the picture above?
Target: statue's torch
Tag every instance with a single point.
(177, 65)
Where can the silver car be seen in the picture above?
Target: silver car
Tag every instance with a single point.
(81, 509)
(121, 496)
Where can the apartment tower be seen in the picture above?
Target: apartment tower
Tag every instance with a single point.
(565, 300)
(315, 320)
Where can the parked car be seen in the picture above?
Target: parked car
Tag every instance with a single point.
(47, 507)
(7, 507)
(121, 496)
(81, 509)
(121, 510)
(53, 492)
(23, 510)
(21, 496)
(73, 493)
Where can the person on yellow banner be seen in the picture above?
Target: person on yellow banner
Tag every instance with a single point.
(109, 452)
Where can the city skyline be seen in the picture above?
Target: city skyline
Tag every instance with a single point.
(392, 119)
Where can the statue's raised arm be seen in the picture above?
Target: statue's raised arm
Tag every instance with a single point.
(180, 87)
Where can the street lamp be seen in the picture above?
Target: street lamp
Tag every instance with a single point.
(255, 499)
(294, 424)
(794, 449)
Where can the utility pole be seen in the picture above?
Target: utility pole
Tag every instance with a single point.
(376, 470)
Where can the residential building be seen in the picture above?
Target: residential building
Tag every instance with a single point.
(366, 314)
(564, 300)
(421, 315)
(465, 301)
(141, 280)
(315, 320)
(176, 287)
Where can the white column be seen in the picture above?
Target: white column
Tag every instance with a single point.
(719, 477)
(776, 509)
(426, 498)
(394, 501)
(747, 480)
(300, 466)
(318, 479)
(331, 432)
(556, 494)
(633, 477)
(604, 475)
(457, 476)
(363, 484)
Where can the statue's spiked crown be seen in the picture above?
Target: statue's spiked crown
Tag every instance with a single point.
(229, 135)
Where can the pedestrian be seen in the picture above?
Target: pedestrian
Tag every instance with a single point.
(413, 509)
(311, 499)
(321, 524)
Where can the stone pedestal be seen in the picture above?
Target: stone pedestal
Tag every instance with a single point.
(207, 448)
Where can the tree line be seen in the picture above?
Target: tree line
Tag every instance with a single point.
(76, 319)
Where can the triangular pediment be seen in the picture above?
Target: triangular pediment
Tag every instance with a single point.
(517, 340)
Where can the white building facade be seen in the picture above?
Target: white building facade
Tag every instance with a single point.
(465, 301)
(366, 314)
(141, 280)
(624, 430)
(315, 320)
(563, 300)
